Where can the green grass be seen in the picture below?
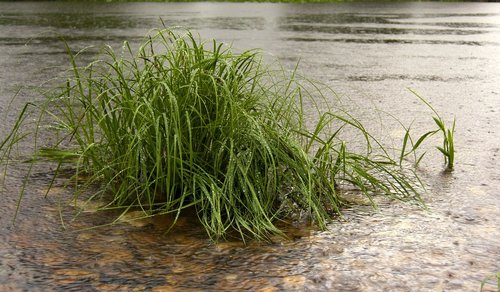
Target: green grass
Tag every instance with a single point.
(187, 124)
(492, 277)
(448, 146)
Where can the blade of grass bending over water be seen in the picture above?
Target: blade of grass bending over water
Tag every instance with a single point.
(186, 124)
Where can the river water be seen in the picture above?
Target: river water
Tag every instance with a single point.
(370, 54)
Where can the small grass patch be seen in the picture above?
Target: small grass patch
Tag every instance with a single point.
(187, 124)
(448, 147)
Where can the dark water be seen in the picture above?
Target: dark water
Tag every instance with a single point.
(371, 54)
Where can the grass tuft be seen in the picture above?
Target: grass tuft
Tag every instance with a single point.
(448, 148)
(187, 124)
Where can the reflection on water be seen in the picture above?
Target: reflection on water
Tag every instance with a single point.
(370, 53)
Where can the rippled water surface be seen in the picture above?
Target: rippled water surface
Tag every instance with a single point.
(370, 54)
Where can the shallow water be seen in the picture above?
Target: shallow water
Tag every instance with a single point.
(370, 54)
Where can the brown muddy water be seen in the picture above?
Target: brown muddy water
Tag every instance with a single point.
(370, 54)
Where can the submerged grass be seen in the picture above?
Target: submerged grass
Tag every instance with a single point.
(185, 124)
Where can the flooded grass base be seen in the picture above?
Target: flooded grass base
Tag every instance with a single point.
(141, 256)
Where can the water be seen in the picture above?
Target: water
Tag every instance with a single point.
(371, 54)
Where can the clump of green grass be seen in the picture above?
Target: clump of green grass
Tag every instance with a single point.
(186, 124)
(448, 148)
